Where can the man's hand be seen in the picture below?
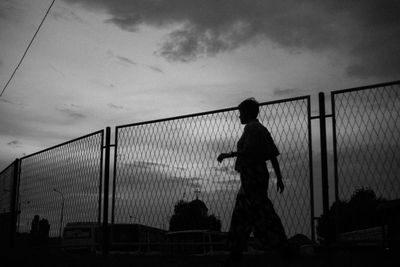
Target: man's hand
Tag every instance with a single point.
(222, 156)
(280, 186)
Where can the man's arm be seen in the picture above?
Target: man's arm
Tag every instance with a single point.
(223, 156)
(277, 169)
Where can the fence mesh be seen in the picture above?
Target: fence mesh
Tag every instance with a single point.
(368, 140)
(6, 188)
(159, 163)
(63, 181)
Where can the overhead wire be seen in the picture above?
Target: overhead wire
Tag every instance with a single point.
(26, 50)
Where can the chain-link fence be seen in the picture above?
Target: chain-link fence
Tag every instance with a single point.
(62, 184)
(367, 140)
(7, 182)
(158, 163)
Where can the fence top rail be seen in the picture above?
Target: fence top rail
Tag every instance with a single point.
(6, 168)
(365, 87)
(62, 144)
(211, 112)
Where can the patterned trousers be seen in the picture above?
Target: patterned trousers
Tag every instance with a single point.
(255, 213)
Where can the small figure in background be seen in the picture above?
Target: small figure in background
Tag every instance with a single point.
(44, 229)
(34, 233)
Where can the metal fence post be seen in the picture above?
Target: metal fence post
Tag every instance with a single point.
(311, 169)
(14, 203)
(114, 177)
(106, 190)
(335, 158)
(324, 154)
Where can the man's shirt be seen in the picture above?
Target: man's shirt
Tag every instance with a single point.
(255, 146)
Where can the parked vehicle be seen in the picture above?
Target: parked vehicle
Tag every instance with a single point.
(83, 236)
(88, 236)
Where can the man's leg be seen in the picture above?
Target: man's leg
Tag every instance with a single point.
(240, 228)
(268, 228)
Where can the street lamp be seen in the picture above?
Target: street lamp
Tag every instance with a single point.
(62, 209)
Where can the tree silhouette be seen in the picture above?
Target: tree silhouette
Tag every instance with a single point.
(360, 212)
(193, 215)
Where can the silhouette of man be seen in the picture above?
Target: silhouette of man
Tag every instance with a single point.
(253, 210)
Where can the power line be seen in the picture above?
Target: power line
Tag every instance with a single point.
(26, 51)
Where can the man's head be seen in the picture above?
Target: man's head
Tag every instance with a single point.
(248, 110)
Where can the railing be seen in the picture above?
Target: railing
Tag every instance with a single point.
(158, 163)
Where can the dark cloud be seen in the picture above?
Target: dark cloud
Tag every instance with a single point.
(5, 100)
(378, 58)
(10, 102)
(8, 9)
(57, 70)
(126, 23)
(68, 15)
(154, 68)
(121, 59)
(364, 30)
(14, 143)
(126, 60)
(115, 106)
(71, 112)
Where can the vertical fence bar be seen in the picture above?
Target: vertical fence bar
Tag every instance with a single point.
(311, 169)
(335, 163)
(18, 195)
(14, 205)
(335, 159)
(324, 153)
(100, 177)
(106, 190)
(114, 176)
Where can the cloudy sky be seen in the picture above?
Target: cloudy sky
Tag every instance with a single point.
(98, 63)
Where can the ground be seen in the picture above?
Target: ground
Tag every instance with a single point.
(343, 257)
